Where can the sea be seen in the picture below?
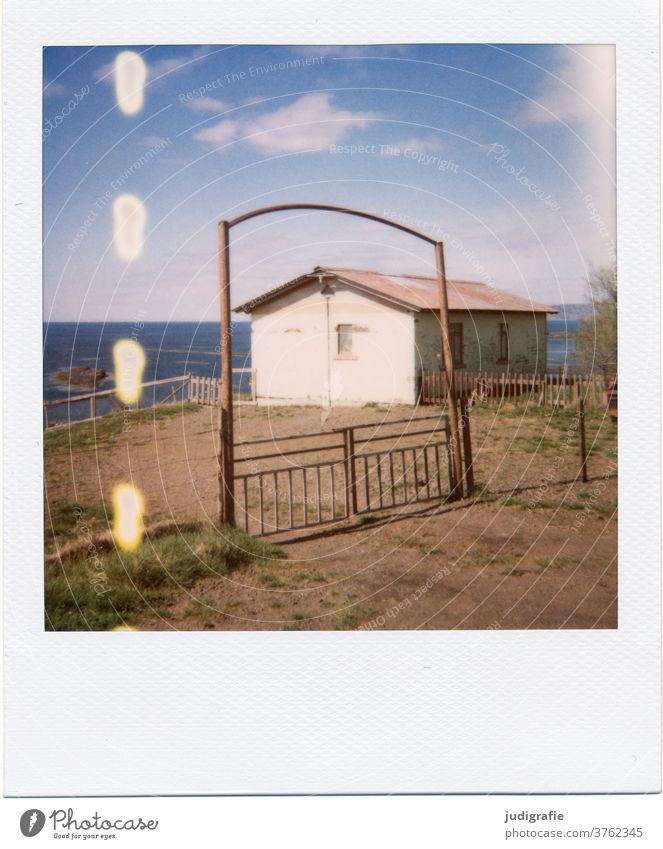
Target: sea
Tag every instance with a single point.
(172, 349)
(561, 348)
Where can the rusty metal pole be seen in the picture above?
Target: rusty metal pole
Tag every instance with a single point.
(582, 445)
(467, 445)
(449, 369)
(226, 456)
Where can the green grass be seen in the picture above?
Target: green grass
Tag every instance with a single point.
(201, 606)
(103, 429)
(511, 501)
(305, 575)
(482, 557)
(146, 581)
(64, 520)
(592, 506)
(534, 443)
(270, 581)
(349, 620)
(547, 504)
(555, 562)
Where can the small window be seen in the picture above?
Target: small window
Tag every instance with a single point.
(503, 343)
(456, 342)
(345, 339)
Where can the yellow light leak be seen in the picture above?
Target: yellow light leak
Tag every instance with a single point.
(130, 76)
(129, 360)
(128, 508)
(129, 219)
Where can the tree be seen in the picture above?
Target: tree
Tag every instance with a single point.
(596, 337)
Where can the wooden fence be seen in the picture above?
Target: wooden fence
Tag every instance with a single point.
(310, 479)
(610, 379)
(178, 384)
(189, 387)
(557, 390)
(207, 390)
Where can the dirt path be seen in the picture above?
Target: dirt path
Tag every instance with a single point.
(536, 549)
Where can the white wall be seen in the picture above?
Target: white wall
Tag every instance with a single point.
(294, 350)
(527, 341)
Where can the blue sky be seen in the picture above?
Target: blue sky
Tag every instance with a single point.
(505, 152)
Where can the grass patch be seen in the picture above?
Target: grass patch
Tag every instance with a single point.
(269, 580)
(534, 443)
(305, 575)
(202, 606)
(351, 619)
(554, 562)
(112, 589)
(64, 520)
(511, 501)
(592, 507)
(484, 557)
(422, 542)
(105, 428)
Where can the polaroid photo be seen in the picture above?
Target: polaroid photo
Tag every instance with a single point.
(331, 363)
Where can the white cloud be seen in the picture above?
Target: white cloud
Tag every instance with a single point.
(153, 141)
(54, 89)
(311, 121)
(207, 104)
(220, 134)
(582, 88)
(581, 94)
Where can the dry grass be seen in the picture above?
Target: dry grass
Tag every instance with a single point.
(515, 556)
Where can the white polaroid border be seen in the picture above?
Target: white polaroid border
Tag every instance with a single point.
(416, 712)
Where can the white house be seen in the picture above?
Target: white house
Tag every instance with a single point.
(347, 336)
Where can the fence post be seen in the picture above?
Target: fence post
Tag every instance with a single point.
(91, 406)
(350, 476)
(447, 433)
(467, 447)
(447, 359)
(226, 456)
(583, 451)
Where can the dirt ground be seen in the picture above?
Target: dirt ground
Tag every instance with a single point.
(534, 548)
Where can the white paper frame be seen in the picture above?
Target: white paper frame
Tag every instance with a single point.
(201, 713)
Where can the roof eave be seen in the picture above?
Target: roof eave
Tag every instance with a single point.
(249, 306)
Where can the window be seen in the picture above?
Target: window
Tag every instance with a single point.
(503, 343)
(456, 342)
(344, 339)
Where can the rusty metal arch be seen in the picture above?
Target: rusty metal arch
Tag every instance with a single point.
(323, 207)
(226, 457)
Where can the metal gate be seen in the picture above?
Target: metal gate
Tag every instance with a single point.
(298, 481)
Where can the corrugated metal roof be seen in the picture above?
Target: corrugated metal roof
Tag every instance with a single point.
(412, 291)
